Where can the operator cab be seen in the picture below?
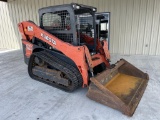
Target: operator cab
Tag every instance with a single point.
(72, 23)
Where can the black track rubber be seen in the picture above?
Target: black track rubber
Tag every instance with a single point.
(72, 73)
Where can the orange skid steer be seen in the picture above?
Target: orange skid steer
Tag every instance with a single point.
(69, 50)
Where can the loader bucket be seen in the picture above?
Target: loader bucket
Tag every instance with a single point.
(120, 88)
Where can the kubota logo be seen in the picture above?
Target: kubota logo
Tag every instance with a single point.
(48, 38)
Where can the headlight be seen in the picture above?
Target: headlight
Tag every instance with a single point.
(76, 6)
(94, 9)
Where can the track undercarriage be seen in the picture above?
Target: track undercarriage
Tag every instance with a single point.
(46, 68)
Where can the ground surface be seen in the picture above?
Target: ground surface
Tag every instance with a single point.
(22, 98)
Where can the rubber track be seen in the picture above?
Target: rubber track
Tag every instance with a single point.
(71, 68)
(72, 72)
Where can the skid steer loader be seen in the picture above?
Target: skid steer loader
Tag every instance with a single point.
(69, 50)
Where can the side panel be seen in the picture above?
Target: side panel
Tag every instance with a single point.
(26, 59)
(27, 50)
